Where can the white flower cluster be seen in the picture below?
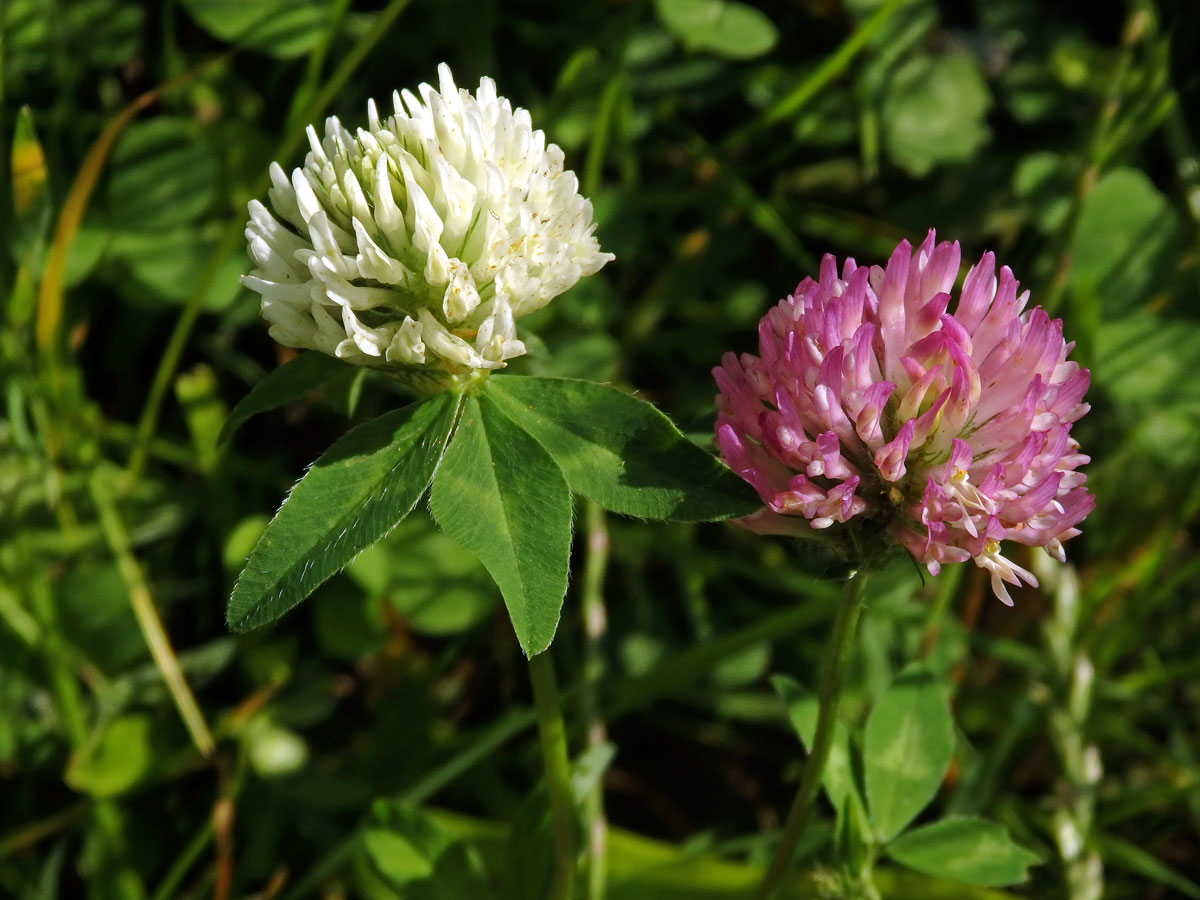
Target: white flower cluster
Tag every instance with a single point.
(419, 240)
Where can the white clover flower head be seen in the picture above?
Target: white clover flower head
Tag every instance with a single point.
(421, 239)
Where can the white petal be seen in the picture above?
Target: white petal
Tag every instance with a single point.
(387, 214)
(283, 196)
(461, 297)
(373, 263)
(306, 197)
(449, 346)
(407, 347)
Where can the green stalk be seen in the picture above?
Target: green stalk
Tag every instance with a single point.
(1138, 25)
(947, 589)
(831, 67)
(603, 127)
(148, 619)
(196, 846)
(25, 836)
(633, 694)
(553, 736)
(127, 883)
(62, 677)
(316, 63)
(594, 626)
(829, 694)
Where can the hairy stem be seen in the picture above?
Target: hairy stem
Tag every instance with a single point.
(553, 735)
(829, 694)
(594, 626)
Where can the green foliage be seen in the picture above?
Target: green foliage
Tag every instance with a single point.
(965, 849)
(1043, 181)
(907, 746)
(168, 264)
(621, 452)
(724, 27)
(30, 188)
(839, 778)
(348, 621)
(97, 619)
(1129, 856)
(500, 495)
(1125, 228)
(115, 759)
(933, 112)
(281, 386)
(273, 751)
(353, 495)
(204, 412)
(40, 36)
(726, 146)
(437, 586)
(283, 28)
(163, 173)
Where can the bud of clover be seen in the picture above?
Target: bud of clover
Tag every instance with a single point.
(871, 403)
(417, 243)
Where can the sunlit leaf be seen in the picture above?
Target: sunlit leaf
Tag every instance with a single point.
(1119, 243)
(283, 28)
(730, 29)
(500, 495)
(353, 495)
(620, 451)
(416, 854)
(203, 411)
(115, 759)
(274, 751)
(933, 112)
(396, 856)
(241, 540)
(967, 849)
(907, 748)
(1042, 180)
(30, 194)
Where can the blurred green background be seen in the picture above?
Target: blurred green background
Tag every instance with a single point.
(726, 147)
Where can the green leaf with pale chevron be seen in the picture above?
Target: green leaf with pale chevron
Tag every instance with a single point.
(501, 495)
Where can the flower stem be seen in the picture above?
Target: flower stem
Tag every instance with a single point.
(126, 882)
(148, 619)
(829, 693)
(594, 625)
(553, 736)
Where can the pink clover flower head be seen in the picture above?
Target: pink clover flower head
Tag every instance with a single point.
(871, 403)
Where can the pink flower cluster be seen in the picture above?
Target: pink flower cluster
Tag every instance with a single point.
(952, 430)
